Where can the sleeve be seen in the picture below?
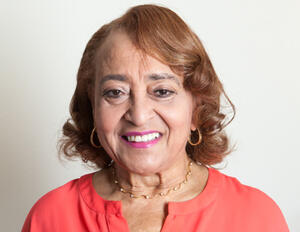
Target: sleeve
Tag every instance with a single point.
(40, 217)
(277, 222)
(32, 223)
(55, 211)
(266, 213)
(253, 210)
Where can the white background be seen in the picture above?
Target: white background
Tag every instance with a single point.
(253, 44)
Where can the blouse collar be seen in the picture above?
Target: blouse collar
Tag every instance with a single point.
(199, 203)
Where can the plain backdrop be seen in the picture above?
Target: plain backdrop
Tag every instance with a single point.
(253, 44)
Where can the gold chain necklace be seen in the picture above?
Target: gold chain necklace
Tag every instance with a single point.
(161, 194)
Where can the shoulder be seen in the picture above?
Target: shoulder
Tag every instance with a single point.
(58, 195)
(233, 188)
(249, 202)
(54, 205)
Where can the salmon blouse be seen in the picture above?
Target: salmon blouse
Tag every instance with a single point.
(225, 205)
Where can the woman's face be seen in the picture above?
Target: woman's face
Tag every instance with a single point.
(142, 112)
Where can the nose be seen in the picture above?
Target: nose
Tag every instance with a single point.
(140, 110)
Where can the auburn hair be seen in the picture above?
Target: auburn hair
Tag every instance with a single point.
(159, 32)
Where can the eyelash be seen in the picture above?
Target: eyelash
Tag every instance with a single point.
(112, 93)
(169, 92)
(116, 93)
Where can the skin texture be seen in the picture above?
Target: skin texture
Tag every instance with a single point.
(137, 102)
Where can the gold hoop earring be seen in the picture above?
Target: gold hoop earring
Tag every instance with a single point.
(199, 139)
(92, 139)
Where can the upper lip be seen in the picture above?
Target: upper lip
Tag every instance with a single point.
(135, 133)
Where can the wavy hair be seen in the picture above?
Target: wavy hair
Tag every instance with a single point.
(159, 32)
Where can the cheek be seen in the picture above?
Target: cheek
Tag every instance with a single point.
(107, 119)
(178, 116)
(104, 123)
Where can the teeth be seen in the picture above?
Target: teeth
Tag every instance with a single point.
(143, 138)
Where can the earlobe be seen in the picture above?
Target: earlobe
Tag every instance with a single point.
(195, 113)
(194, 116)
(193, 127)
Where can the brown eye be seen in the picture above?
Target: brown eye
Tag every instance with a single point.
(113, 93)
(163, 93)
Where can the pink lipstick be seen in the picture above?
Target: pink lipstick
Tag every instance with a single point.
(144, 139)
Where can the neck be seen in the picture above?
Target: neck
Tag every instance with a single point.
(162, 182)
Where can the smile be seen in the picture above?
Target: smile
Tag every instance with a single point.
(141, 139)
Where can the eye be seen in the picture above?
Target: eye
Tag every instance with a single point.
(163, 93)
(113, 93)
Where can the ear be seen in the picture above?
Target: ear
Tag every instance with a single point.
(193, 127)
(196, 104)
(193, 119)
(194, 116)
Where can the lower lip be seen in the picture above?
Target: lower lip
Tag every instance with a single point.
(142, 144)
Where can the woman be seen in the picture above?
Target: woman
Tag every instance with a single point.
(146, 110)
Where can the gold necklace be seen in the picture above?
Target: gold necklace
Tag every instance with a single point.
(161, 194)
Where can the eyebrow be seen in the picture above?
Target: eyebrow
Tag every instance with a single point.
(154, 77)
(162, 76)
(116, 77)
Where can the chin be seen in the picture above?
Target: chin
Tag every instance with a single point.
(144, 167)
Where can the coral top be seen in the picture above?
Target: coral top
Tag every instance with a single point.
(224, 205)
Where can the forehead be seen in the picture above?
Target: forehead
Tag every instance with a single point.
(119, 55)
(116, 45)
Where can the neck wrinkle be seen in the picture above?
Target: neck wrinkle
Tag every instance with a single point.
(158, 182)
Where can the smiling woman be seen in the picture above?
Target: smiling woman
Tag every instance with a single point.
(146, 110)
(159, 34)
(138, 96)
